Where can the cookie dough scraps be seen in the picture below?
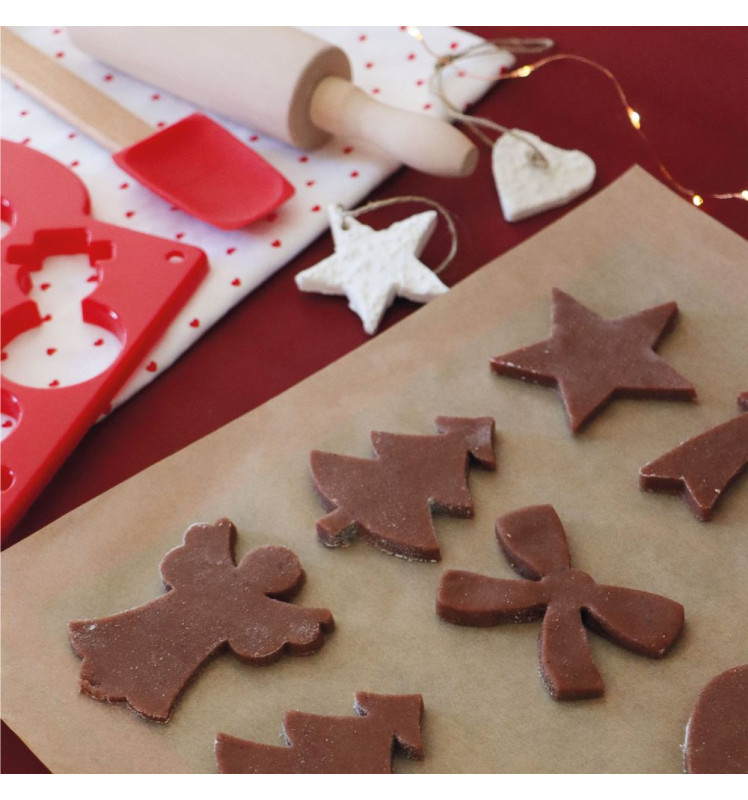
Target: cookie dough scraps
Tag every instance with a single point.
(147, 655)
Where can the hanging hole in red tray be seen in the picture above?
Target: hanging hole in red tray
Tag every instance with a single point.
(175, 257)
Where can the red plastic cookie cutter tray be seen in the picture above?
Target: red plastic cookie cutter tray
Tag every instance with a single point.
(143, 281)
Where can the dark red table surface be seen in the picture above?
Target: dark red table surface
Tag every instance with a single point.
(690, 86)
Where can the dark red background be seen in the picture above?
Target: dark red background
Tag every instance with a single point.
(690, 86)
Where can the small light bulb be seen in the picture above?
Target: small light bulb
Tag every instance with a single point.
(697, 200)
(636, 120)
(414, 32)
(744, 194)
(523, 72)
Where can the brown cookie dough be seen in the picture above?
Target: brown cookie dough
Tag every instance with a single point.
(343, 745)
(717, 733)
(147, 655)
(566, 599)
(702, 468)
(593, 359)
(389, 499)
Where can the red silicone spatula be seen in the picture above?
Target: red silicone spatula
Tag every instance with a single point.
(195, 164)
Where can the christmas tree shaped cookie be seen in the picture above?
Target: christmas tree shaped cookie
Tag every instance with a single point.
(389, 499)
(147, 655)
(534, 543)
(318, 744)
(702, 468)
(593, 359)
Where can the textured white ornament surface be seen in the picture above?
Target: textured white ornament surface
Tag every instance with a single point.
(373, 267)
(526, 189)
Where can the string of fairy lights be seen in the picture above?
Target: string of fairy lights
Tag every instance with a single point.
(539, 45)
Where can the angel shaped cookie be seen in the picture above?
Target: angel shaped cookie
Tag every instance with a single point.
(147, 655)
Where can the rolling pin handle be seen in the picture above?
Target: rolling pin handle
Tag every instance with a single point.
(425, 143)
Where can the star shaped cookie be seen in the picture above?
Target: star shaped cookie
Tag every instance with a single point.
(373, 267)
(593, 359)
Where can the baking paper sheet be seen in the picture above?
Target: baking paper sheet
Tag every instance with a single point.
(632, 246)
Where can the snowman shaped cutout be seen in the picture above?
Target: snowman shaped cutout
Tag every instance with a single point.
(65, 349)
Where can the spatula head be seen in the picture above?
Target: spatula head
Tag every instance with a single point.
(203, 169)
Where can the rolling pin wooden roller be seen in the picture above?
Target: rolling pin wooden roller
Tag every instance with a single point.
(281, 81)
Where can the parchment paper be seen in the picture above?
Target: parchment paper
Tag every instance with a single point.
(632, 246)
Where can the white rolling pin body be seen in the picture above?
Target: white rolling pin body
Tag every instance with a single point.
(276, 80)
(263, 77)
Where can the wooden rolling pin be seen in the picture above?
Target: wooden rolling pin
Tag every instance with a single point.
(281, 81)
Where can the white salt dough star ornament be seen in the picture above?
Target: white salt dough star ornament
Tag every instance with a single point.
(373, 267)
(526, 185)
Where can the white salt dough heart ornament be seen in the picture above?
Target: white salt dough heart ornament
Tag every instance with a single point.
(373, 267)
(526, 188)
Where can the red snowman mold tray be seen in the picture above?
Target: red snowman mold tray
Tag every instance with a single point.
(142, 282)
